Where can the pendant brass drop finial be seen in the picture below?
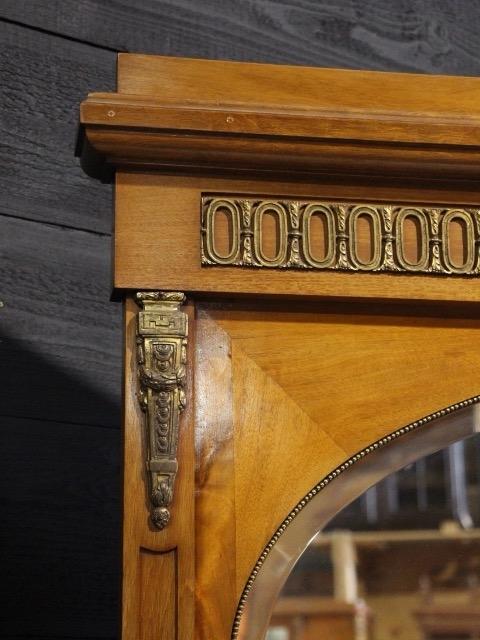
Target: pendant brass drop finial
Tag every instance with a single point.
(162, 329)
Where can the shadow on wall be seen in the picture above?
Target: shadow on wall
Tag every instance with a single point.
(60, 502)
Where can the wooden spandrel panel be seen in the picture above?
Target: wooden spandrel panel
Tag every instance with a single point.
(158, 239)
(278, 395)
(286, 395)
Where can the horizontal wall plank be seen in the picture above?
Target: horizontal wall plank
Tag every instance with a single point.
(44, 79)
(60, 336)
(433, 37)
(60, 533)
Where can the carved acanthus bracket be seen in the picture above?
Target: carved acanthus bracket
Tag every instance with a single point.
(162, 330)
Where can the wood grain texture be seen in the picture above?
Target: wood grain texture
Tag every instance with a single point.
(59, 539)
(43, 80)
(158, 576)
(190, 82)
(428, 124)
(216, 115)
(215, 524)
(260, 406)
(272, 156)
(430, 119)
(158, 566)
(157, 240)
(364, 365)
(334, 381)
(413, 35)
(59, 333)
(310, 618)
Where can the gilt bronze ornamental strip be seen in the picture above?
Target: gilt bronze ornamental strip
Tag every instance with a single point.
(295, 236)
(162, 329)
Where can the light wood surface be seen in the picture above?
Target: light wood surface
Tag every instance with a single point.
(312, 618)
(215, 527)
(302, 392)
(282, 389)
(157, 240)
(158, 566)
(255, 117)
(222, 82)
(317, 119)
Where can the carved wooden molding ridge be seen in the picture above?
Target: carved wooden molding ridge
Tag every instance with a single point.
(162, 330)
(340, 219)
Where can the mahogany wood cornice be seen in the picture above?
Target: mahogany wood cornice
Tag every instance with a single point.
(225, 116)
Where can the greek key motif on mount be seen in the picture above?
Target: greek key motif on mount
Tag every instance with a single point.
(295, 236)
(162, 330)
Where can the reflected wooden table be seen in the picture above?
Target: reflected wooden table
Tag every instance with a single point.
(313, 618)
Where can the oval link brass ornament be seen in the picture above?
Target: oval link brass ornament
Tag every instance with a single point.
(295, 236)
(162, 330)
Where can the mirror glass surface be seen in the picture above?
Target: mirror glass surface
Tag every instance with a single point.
(400, 562)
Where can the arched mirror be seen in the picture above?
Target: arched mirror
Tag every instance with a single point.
(387, 550)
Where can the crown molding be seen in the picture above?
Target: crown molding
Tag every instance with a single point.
(411, 125)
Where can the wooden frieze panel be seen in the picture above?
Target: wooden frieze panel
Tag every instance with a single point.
(439, 249)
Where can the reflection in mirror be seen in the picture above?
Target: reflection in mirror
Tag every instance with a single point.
(434, 500)
(400, 562)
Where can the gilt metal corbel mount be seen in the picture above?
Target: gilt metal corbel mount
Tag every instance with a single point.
(162, 329)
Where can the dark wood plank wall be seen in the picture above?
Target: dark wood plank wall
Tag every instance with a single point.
(60, 336)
